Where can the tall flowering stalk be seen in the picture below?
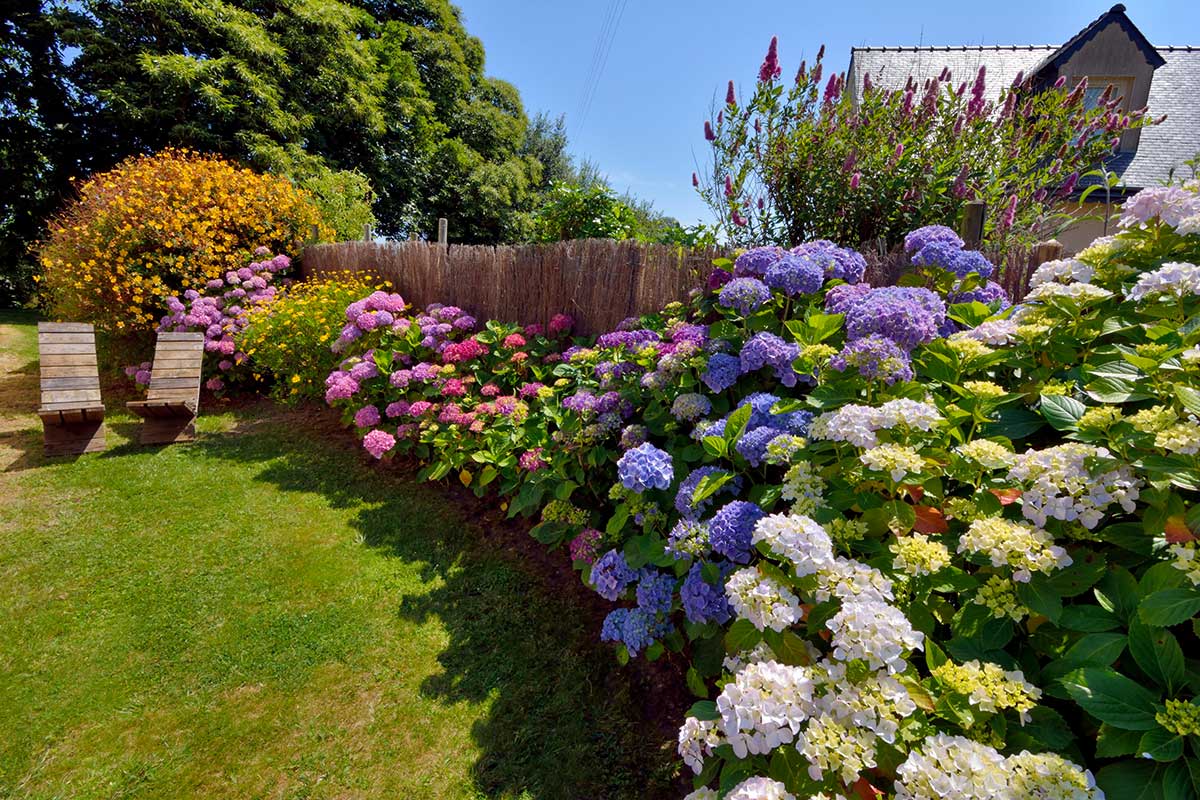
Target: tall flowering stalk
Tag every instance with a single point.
(816, 160)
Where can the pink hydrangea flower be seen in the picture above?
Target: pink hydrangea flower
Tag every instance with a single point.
(561, 324)
(419, 408)
(489, 390)
(367, 416)
(212, 384)
(531, 460)
(397, 409)
(514, 340)
(454, 387)
(378, 443)
(583, 546)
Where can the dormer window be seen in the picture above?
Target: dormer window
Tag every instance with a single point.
(1122, 87)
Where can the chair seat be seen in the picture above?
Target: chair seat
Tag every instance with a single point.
(71, 416)
(163, 408)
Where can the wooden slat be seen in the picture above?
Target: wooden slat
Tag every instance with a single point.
(187, 347)
(191, 371)
(68, 359)
(64, 327)
(80, 397)
(61, 349)
(95, 407)
(168, 431)
(68, 371)
(179, 360)
(180, 336)
(173, 395)
(157, 382)
(50, 383)
(67, 338)
(64, 440)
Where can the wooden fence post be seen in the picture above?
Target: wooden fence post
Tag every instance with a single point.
(443, 234)
(313, 233)
(1047, 251)
(971, 229)
(366, 233)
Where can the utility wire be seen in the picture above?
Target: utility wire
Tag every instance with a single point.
(586, 87)
(606, 51)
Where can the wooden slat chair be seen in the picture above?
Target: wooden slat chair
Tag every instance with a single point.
(169, 410)
(71, 410)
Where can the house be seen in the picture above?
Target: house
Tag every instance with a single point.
(1111, 50)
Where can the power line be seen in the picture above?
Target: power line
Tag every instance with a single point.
(586, 87)
(606, 52)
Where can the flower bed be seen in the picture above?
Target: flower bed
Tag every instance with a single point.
(911, 542)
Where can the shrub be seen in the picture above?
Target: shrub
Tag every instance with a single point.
(287, 342)
(158, 225)
(809, 162)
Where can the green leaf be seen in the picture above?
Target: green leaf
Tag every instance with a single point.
(1169, 607)
(1088, 619)
(735, 424)
(1158, 653)
(1099, 649)
(1118, 593)
(704, 710)
(695, 683)
(822, 326)
(1112, 742)
(1062, 412)
(616, 522)
(790, 768)
(956, 708)
(1114, 390)
(1081, 575)
(742, 635)
(1132, 780)
(1113, 698)
(1189, 397)
(934, 655)
(550, 533)
(1041, 598)
(1160, 576)
(710, 485)
(1161, 745)
(1014, 423)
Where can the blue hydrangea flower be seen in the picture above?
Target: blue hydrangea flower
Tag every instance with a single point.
(744, 295)
(688, 539)
(655, 591)
(795, 275)
(687, 490)
(752, 444)
(768, 350)
(722, 372)
(755, 261)
(989, 293)
(946, 256)
(611, 574)
(631, 340)
(690, 407)
(645, 467)
(907, 315)
(633, 627)
(836, 263)
(875, 357)
(730, 529)
(702, 601)
(918, 239)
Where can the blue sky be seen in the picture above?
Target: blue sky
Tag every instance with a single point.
(670, 57)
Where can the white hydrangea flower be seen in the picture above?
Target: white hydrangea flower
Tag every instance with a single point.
(1176, 278)
(797, 538)
(697, 738)
(917, 555)
(996, 332)
(1187, 561)
(1061, 486)
(877, 703)
(831, 746)
(1046, 776)
(987, 453)
(760, 789)
(1182, 437)
(857, 424)
(914, 414)
(1082, 292)
(1014, 544)
(952, 768)
(1066, 270)
(990, 687)
(736, 662)
(875, 632)
(803, 488)
(761, 600)
(1191, 355)
(764, 706)
(897, 460)
(1188, 225)
(703, 793)
(847, 579)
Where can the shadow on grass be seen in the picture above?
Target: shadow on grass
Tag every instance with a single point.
(563, 721)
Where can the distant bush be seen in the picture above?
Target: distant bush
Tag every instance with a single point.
(158, 225)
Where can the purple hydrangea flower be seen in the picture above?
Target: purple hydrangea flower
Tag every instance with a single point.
(768, 350)
(702, 601)
(752, 444)
(722, 372)
(378, 442)
(655, 590)
(875, 357)
(837, 263)
(630, 340)
(954, 259)
(730, 529)
(989, 293)
(645, 467)
(690, 407)
(795, 275)
(367, 416)
(918, 239)
(755, 261)
(907, 315)
(632, 436)
(610, 575)
(744, 295)
(840, 298)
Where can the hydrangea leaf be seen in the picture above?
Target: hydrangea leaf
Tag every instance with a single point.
(1112, 742)
(1132, 780)
(1158, 653)
(1113, 698)
(1062, 412)
(1169, 607)
(1161, 745)
(742, 635)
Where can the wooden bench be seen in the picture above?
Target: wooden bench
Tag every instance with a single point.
(169, 410)
(71, 410)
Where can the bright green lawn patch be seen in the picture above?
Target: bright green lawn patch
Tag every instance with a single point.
(258, 614)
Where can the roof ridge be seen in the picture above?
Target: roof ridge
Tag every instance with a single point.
(951, 47)
(1185, 47)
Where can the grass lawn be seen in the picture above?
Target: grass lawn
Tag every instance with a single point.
(260, 614)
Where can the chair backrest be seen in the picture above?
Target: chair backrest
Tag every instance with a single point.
(175, 375)
(67, 356)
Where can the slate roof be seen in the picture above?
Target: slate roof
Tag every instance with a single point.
(1174, 91)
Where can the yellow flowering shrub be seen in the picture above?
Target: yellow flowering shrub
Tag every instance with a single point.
(288, 341)
(157, 225)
